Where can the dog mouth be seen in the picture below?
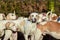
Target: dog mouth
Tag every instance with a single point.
(14, 31)
(34, 20)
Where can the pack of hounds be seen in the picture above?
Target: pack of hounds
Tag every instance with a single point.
(29, 28)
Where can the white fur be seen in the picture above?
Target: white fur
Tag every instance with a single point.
(51, 15)
(33, 16)
(8, 34)
(28, 29)
(41, 18)
(13, 27)
(34, 13)
(38, 35)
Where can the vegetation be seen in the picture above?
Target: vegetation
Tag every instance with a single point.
(51, 5)
(25, 7)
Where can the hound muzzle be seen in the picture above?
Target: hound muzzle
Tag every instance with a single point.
(34, 20)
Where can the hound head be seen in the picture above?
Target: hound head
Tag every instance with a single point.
(33, 17)
(11, 16)
(11, 26)
(2, 16)
(54, 16)
(42, 17)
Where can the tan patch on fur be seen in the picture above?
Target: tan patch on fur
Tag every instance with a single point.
(54, 27)
(51, 26)
(7, 17)
(8, 24)
(54, 18)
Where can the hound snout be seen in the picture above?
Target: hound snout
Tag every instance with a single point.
(34, 20)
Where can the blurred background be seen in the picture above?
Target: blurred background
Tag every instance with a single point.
(25, 7)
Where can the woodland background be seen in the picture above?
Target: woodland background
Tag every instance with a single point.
(25, 7)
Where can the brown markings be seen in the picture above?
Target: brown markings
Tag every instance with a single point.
(7, 25)
(51, 26)
(54, 26)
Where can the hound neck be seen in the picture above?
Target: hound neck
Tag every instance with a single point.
(44, 29)
(43, 23)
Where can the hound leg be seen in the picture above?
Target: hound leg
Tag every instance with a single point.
(38, 35)
(41, 37)
(26, 37)
(32, 37)
(11, 38)
(8, 34)
(29, 37)
(0, 39)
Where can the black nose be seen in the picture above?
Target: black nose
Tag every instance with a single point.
(34, 21)
(43, 20)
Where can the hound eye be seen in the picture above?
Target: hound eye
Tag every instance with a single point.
(32, 15)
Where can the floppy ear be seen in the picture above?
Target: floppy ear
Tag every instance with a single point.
(38, 17)
(29, 17)
(3, 16)
(7, 17)
(7, 25)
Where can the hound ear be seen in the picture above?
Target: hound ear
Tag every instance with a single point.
(29, 17)
(8, 16)
(7, 25)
